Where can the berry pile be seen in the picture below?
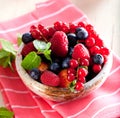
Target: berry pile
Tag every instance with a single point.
(65, 55)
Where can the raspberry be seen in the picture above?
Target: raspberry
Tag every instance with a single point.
(80, 52)
(59, 44)
(29, 47)
(49, 78)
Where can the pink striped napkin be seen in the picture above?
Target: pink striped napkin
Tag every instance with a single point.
(104, 102)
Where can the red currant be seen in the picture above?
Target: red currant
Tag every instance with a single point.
(89, 27)
(71, 70)
(95, 49)
(33, 27)
(65, 28)
(35, 33)
(51, 31)
(79, 86)
(98, 42)
(81, 79)
(73, 63)
(82, 72)
(89, 42)
(40, 27)
(104, 51)
(71, 77)
(57, 25)
(72, 27)
(45, 32)
(84, 62)
(97, 68)
(81, 24)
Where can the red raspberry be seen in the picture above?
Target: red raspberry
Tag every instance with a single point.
(28, 48)
(96, 68)
(49, 78)
(59, 44)
(80, 52)
(73, 63)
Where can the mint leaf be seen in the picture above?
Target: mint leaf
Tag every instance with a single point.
(40, 45)
(32, 60)
(19, 39)
(6, 59)
(7, 46)
(43, 48)
(5, 113)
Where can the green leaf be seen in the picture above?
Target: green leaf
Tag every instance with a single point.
(72, 85)
(19, 39)
(7, 46)
(43, 48)
(32, 60)
(5, 113)
(40, 45)
(3, 53)
(47, 54)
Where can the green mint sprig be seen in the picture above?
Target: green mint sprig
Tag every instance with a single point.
(7, 53)
(31, 60)
(43, 48)
(5, 113)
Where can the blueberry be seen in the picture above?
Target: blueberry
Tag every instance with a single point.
(35, 74)
(55, 67)
(65, 63)
(27, 37)
(72, 39)
(98, 59)
(81, 33)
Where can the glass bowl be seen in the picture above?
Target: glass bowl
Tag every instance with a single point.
(61, 94)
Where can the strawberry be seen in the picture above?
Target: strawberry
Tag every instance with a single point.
(28, 48)
(49, 78)
(63, 79)
(80, 52)
(59, 44)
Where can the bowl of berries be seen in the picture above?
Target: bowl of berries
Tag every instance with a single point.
(63, 61)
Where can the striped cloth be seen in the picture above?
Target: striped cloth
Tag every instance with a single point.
(104, 102)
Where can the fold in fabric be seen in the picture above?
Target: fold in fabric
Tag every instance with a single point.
(104, 102)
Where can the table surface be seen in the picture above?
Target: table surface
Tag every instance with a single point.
(103, 14)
